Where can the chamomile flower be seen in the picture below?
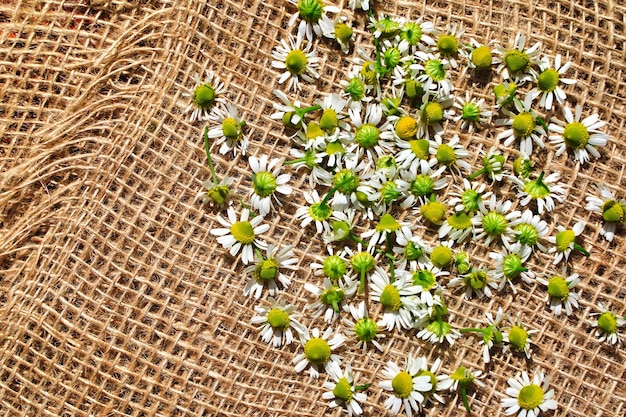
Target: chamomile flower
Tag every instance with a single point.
(216, 194)
(510, 265)
(342, 226)
(491, 335)
(432, 114)
(347, 178)
(342, 392)
(241, 235)
(548, 82)
(318, 351)
(493, 165)
(392, 55)
(448, 43)
(296, 61)
(461, 377)
(434, 211)
(470, 198)
(387, 227)
(442, 256)
(422, 183)
(342, 33)
(530, 230)
(356, 90)
(413, 154)
(495, 221)
(407, 386)
(332, 298)
(517, 338)
(204, 97)
(517, 62)
(230, 131)
(434, 329)
(613, 211)
(334, 266)
(267, 271)
(397, 297)
(505, 94)
(433, 73)
(582, 137)
(607, 325)
(457, 227)
(267, 181)
(433, 373)
(363, 263)
(565, 241)
(385, 26)
(277, 321)
(332, 118)
(427, 280)
(560, 293)
(528, 397)
(477, 280)
(417, 34)
(479, 57)
(412, 252)
(545, 191)
(473, 112)
(369, 138)
(363, 329)
(384, 189)
(312, 160)
(313, 19)
(318, 212)
(286, 111)
(523, 127)
(452, 155)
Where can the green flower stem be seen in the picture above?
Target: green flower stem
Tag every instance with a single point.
(464, 398)
(581, 250)
(477, 173)
(471, 329)
(303, 111)
(334, 189)
(392, 271)
(295, 161)
(362, 283)
(207, 149)
(541, 122)
(361, 387)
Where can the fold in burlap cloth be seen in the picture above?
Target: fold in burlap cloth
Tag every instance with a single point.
(115, 299)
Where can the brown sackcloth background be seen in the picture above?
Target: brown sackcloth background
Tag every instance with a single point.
(114, 297)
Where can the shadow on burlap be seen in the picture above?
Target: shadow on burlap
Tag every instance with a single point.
(115, 299)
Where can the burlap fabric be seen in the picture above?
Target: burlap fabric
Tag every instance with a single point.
(116, 300)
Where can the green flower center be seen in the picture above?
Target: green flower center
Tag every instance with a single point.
(363, 262)
(463, 375)
(434, 211)
(310, 10)
(392, 57)
(365, 329)
(434, 69)
(447, 45)
(613, 212)
(402, 384)
(320, 212)
(387, 26)
(406, 128)
(332, 297)
(345, 181)
(367, 136)
(334, 267)
(471, 112)
(477, 279)
(334, 147)
(445, 155)
(564, 240)
(343, 32)
(439, 328)
(355, 89)
(516, 60)
(387, 224)
(576, 135)
(204, 96)
(461, 262)
(523, 125)
(518, 337)
(433, 380)
(389, 192)
(230, 128)
(341, 230)
(329, 121)
(530, 397)
(494, 223)
(548, 80)
(432, 113)
(266, 270)
(317, 350)
(411, 32)
(527, 234)
(413, 89)
(218, 194)
(512, 266)
(419, 148)
(505, 94)
(471, 199)
(369, 73)
(386, 162)
(537, 189)
(422, 185)
(607, 322)
(296, 62)
(425, 279)
(558, 288)
(460, 221)
(343, 390)
(412, 252)
(523, 167)
(482, 58)
(390, 298)
(278, 319)
(264, 184)
(242, 232)
(441, 256)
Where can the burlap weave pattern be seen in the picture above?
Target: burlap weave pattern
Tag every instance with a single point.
(114, 297)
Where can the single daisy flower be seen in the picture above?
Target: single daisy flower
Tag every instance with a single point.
(528, 397)
(432, 373)
(518, 338)
(442, 256)
(524, 127)
(582, 137)
(385, 26)
(311, 160)
(266, 271)
(392, 54)
(530, 229)
(313, 19)
(267, 181)
(334, 266)
(369, 138)
(548, 82)
(407, 386)
(505, 94)
(230, 131)
(342, 33)
(204, 97)
(495, 221)
(347, 178)
(545, 191)
(448, 43)
(413, 154)
(565, 242)
(411, 251)
(510, 265)
(462, 378)
(560, 293)
(318, 351)
(216, 194)
(363, 329)
(607, 325)
(287, 112)
(332, 298)
(473, 112)
(342, 392)
(422, 181)
(342, 227)
(364, 264)
(318, 212)
(332, 118)
(432, 114)
(417, 34)
(384, 190)
(426, 280)
(491, 335)
(434, 211)
(433, 73)
(452, 155)
(457, 227)
(356, 90)
(277, 322)
(470, 198)
(523, 166)
(296, 61)
(476, 280)
(241, 235)
(397, 297)
(386, 229)
(493, 165)
(479, 57)
(462, 262)
(613, 211)
(517, 62)
(437, 330)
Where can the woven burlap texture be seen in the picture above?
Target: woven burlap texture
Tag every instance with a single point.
(114, 297)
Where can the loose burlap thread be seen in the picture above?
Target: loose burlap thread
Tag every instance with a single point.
(116, 300)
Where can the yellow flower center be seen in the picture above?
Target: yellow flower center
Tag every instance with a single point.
(242, 232)
(390, 298)
(576, 135)
(317, 350)
(406, 128)
(296, 62)
(523, 125)
(402, 384)
(530, 397)
(482, 58)
(343, 390)
(278, 319)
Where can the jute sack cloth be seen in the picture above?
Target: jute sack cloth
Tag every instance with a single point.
(116, 300)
